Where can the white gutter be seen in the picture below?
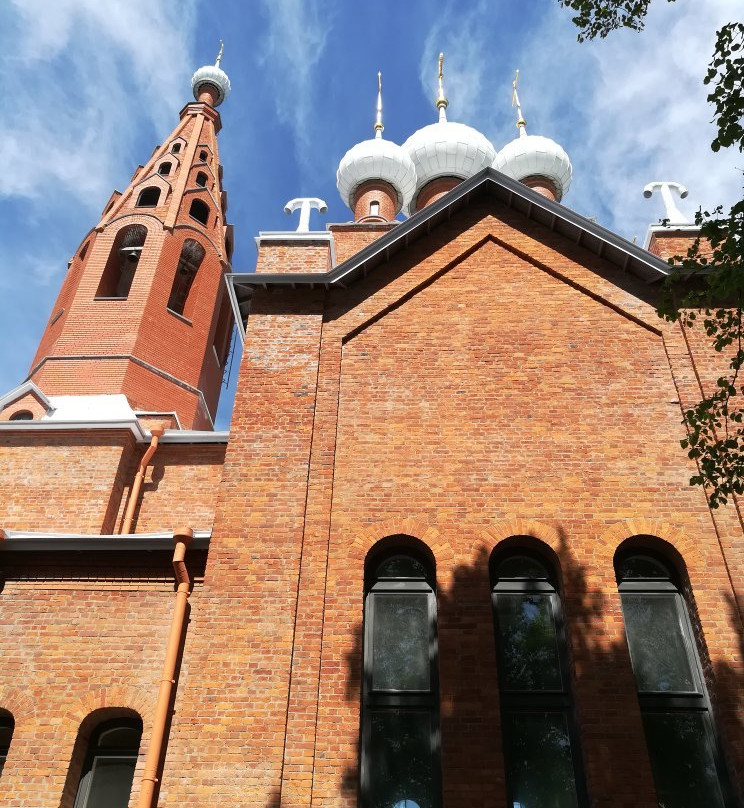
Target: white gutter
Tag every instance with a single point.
(33, 541)
(141, 435)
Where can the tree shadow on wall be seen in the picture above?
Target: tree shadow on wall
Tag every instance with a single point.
(607, 711)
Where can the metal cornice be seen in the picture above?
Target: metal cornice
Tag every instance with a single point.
(36, 541)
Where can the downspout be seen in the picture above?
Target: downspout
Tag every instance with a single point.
(182, 538)
(156, 433)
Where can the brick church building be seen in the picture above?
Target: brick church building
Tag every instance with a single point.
(446, 556)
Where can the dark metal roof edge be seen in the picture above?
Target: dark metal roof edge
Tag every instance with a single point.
(488, 178)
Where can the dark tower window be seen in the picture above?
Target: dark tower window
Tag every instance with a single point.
(118, 275)
(6, 736)
(22, 415)
(400, 709)
(175, 148)
(149, 197)
(84, 250)
(685, 760)
(199, 211)
(203, 156)
(540, 739)
(201, 179)
(108, 771)
(192, 254)
(165, 169)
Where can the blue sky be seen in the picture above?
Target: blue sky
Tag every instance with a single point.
(91, 86)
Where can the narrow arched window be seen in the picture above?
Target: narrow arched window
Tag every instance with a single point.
(108, 770)
(165, 169)
(400, 710)
(374, 208)
(192, 254)
(22, 415)
(175, 148)
(543, 764)
(201, 179)
(199, 211)
(685, 759)
(149, 197)
(6, 736)
(203, 155)
(121, 266)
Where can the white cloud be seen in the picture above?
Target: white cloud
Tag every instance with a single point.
(293, 46)
(125, 63)
(628, 109)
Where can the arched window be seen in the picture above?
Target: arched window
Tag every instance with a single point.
(22, 415)
(192, 254)
(201, 180)
(199, 211)
(84, 250)
(374, 208)
(400, 710)
(203, 155)
(108, 770)
(540, 739)
(165, 169)
(118, 274)
(685, 760)
(175, 148)
(6, 736)
(149, 197)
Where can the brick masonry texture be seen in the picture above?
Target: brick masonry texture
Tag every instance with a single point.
(492, 381)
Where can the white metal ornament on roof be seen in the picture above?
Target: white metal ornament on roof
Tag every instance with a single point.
(448, 149)
(376, 159)
(535, 155)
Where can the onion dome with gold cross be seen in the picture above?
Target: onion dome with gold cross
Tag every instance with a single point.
(376, 178)
(445, 149)
(210, 83)
(534, 160)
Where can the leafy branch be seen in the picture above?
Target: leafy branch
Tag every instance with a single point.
(709, 283)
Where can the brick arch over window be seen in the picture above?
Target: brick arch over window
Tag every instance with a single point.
(427, 534)
(80, 760)
(607, 543)
(510, 528)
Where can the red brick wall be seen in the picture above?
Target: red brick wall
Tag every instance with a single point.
(463, 395)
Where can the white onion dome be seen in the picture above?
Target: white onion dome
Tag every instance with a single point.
(536, 156)
(376, 159)
(448, 149)
(215, 77)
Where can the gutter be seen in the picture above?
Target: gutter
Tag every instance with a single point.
(38, 542)
(141, 435)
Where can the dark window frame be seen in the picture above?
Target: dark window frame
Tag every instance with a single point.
(375, 700)
(674, 702)
(164, 169)
(7, 722)
(199, 204)
(95, 752)
(533, 701)
(201, 179)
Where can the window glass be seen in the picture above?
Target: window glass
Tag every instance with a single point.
(401, 642)
(110, 782)
(528, 643)
(657, 645)
(540, 768)
(642, 567)
(6, 735)
(401, 760)
(521, 567)
(401, 566)
(682, 760)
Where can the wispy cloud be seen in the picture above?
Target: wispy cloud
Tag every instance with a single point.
(292, 48)
(628, 109)
(86, 77)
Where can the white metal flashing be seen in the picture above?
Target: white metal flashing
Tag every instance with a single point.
(669, 229)
(22, 390)
(194, 436)
(293, 235)
(38, 541)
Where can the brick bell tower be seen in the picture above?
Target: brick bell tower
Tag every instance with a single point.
(144, 309)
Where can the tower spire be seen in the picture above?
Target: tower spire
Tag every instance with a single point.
(219, 55)
(521, 123)
(442, 102)
(378, 121)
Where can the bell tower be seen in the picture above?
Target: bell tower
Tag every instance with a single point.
(143, 309)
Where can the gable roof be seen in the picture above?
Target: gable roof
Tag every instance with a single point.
(489, 182)
(21, 391)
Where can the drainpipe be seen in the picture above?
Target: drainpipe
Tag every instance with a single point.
(137, 484)
(182, 538)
